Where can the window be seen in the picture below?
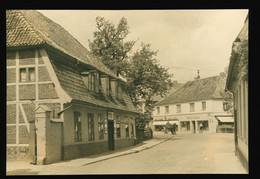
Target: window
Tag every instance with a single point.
(185, 126)
(126, 127)
(77, 127)
(91, 82)
(27, 74)
(132, 130)
(178, 108)
(166, 109)
(101, 127)
(192, 107)
(225, 106)
(203, 106)
(91, 131)
(158, 110)
(118, 131)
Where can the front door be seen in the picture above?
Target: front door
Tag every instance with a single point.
(110, 132)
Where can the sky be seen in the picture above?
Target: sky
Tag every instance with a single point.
(186, 40)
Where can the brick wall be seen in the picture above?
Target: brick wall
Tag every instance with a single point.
(47, 91)
(43, 74)
(10, 75)
(10, 93)
(29, 111)
(10, 134)
(27, 92)
(23, 135)
(11, 113)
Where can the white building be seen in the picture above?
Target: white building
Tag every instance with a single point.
(197, 103)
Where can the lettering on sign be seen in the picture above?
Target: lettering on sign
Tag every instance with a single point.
(193, 117)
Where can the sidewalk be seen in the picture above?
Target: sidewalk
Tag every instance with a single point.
(25, 168)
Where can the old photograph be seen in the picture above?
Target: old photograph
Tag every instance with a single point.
(111, 92)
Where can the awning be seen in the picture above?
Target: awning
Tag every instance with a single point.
(160, 123)
(225, 118)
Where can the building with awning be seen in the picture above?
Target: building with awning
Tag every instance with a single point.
(195, 105)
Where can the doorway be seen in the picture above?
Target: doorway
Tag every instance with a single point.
(110, 132)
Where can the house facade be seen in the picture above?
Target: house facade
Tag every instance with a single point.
(237, 83)
(196, 105)
(60, 99)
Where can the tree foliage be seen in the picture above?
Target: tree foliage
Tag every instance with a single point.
(109, 45)
(144, 76)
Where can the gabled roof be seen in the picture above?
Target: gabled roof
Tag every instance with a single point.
(31, 28)
(71, 81)
(238, 64)
(203, 89)
(175, 87)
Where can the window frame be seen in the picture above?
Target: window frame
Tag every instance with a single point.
(77, 127)
(101, 127)
(91, 127)
(27, 74)
(192, 107)
(166, 109)
(118, 127)
(203, 105)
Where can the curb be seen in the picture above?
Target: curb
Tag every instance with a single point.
(128, 153)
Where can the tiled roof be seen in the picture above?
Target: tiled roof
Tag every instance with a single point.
(71, 81)
(203, 89)
(175, 87)
(30, 27)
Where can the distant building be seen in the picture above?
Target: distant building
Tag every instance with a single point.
(237, 83)
(82, 107)
(157, 98)
(197, 104)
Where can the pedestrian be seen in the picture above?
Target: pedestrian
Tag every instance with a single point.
(201, 127)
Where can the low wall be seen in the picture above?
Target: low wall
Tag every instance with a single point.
(124, 142)
(17, 153)
(84, 149)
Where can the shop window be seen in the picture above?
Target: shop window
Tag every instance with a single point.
(185, 126)
(91, 131)
(132, 130)
(203, 125)
(192, 107)
(118, 130)
(166, 109)
(203, 106)
(126, 128)
(178, 108)
(77, 127)
(101, 127)
(27, 74)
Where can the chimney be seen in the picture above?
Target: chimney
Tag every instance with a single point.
(114, 88)
(105, 84)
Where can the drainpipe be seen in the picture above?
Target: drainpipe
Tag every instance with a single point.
(62, 111)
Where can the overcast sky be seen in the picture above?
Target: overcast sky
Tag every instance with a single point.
(187, 40)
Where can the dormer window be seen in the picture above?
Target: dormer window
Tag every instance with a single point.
(91, 80)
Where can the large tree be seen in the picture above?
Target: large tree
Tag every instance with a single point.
(146, 77)
(108, 44)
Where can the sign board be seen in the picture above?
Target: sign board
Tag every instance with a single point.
(110, 115)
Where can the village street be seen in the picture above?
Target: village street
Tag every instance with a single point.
(205, 153)
(182, 154)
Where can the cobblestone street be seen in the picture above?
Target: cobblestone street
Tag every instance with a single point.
(182, 154)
